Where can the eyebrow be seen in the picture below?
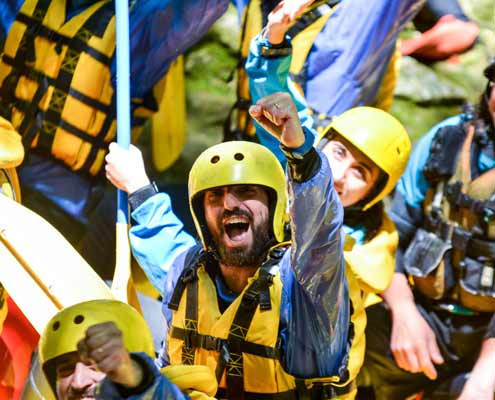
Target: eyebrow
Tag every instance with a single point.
(367, 167)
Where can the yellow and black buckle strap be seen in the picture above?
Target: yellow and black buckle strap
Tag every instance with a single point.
(321, 391)
(25, 53)
(78, 43)
(38, 76)
(53, 115)
(213, 343)
(257, 294)
(191, 323)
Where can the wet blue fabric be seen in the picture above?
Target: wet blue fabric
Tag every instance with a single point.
(350, 56)
(315, 300)
(160, 30)
(345, 66)
(160, 389)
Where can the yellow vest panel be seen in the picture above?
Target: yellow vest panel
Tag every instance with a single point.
(56, 84)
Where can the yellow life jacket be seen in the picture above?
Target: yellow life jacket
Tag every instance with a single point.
(303, 34)
(168, 125)
(55, 82)
(459, 220)
(373, 263)
(242, 344)
(11, 155)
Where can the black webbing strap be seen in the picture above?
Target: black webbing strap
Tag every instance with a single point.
(310, 17)
(26, 54)
(53, 115)
(190, 322)
(321, 390)
(77, 43)
(212, 343)
(190, 264)
(38, 76)
(318, 391)
(100, 137)
(288, 395)
(458, 199)
(189, 280)
(257, 294)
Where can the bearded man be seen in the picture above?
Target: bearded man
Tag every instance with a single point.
(271, 318)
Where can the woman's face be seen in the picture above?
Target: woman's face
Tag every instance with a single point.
(354, 174)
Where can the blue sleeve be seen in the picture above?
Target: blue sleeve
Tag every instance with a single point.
(316, 300)
(160, 389)
(268, 75)
(161, 30)
(158, 238)
(8, 12)
(351, 54)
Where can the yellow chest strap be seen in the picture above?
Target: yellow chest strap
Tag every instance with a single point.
(231, 349)
(46, 20)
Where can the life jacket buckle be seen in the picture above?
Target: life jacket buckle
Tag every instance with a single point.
(209, 342)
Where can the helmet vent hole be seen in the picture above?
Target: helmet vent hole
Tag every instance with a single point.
(239, 156)
(56, 325)
(398, 150)
(215, 159)
(78, 319)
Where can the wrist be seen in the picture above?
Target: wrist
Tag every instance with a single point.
(275, 36)
(272, 45)
(139, 196)
(139, 184)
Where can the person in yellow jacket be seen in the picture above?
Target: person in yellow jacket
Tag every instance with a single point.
(102, 349)
(57, 88)
(273, 319)
(368, 135)
(345, 55)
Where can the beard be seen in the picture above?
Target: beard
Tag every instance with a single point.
(254, 255)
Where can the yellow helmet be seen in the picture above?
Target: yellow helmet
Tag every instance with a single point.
(67, 327)
(237, 163)
(379, 136)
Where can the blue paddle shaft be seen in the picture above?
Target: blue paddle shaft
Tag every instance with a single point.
(123, 95)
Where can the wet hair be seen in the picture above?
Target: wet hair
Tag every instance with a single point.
(372, 218)
(354, 216)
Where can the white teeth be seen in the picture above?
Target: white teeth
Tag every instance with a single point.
(236, 220)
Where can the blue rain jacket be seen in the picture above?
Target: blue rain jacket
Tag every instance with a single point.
(160, 30)
(314, 316)
(407, 207)
(160, 389)
(346, 63)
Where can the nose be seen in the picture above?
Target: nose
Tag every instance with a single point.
(83, 377)
(339, 171)
(230, 200)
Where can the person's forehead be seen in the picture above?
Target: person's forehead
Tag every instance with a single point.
(237, 186)
(357, 154)
(68, 358)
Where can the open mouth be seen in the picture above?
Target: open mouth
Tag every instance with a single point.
(236, 227)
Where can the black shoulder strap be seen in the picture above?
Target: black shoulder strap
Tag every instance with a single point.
(311, 16)
(441, 163)
(257, 294)
(188, 274)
